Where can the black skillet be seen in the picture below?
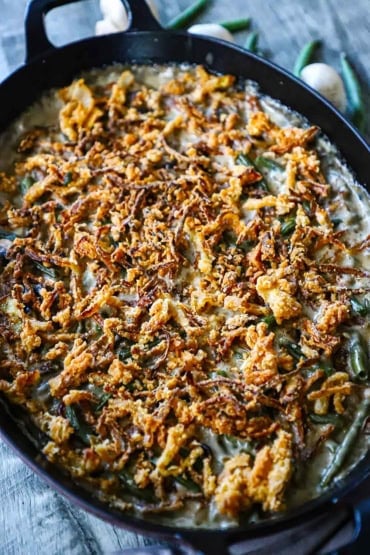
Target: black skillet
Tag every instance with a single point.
(145, 41)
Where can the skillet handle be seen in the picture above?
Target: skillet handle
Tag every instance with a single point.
(37, 42)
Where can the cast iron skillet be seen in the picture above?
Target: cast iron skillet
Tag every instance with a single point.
(145, 41)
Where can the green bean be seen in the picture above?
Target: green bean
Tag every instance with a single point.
(181, 20)
(188, 484)
(310, 370)
(327, 367)
(132, 386)
(331, 445)
(244, 160)
(7, 235)
(80, 327)
(359, 308)
(336, 222)
(355, 219)
(133, 489)
(232, 439)
(305, 56)
(82, 430)
(230, 443)
(124, 352)
(269, 320)
(251, 42)
(268, 163)
(236, 24)
(101, 396)
(51, 272)
(346, 444)
(184, 452)
(306, 206)
(358, 357)
(27, 183)
(229, 239)
(355, 103)
(288, 226)
(335, 419)
(293, 349)
(226, 441)
(248, 448)
(67, 178)
(244, 246)
(149, 346)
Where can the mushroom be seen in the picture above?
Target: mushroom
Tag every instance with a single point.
(327, 82)
(114, 12)
(105, 27)
(115, 17)
(213, 30)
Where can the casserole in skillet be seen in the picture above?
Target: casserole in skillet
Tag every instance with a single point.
(184, 293)
(227, 243)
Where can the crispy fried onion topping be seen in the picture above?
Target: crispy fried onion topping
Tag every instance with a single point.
(166, 302)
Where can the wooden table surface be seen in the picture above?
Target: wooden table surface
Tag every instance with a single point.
(33, 518)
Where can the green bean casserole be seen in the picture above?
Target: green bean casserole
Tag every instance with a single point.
(184, 303)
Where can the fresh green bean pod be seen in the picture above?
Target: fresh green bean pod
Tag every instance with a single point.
(346, 444)
(336, 222)
(359, 308)
(269, 320)
(68, 178)
(334, 419)
(222, 373)
(141, 493)
(359, 360)
(236, 24)
(7, 235)
(51, 272)
(181, 20)
(293, 349)
(268, 163)
(306, 206)
(251, 43)
(244, 160)
(288, 226)
(305, 56)
(124, 353)
(325, 365)
(26, 183)
(188, 484)
(328, 367)
(352, 85)
(102, 398)
(81, 428)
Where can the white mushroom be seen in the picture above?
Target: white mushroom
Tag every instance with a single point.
(115, 12)
(326, 81)
(212, 30)
(105, 27)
